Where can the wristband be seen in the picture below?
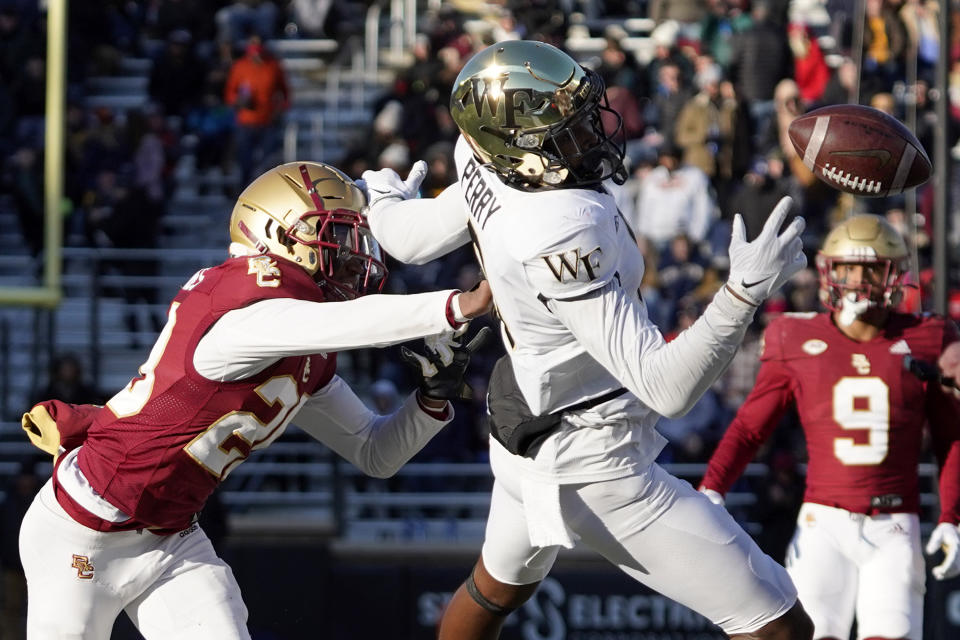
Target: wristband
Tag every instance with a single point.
(442, 414)
(454, 317)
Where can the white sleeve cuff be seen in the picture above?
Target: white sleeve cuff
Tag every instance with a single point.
(455, 308)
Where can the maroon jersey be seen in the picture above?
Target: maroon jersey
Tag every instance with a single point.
(160, 447)
(862, 413)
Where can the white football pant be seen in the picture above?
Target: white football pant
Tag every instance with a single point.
(847, 564)
(173, 587)
(658, 530)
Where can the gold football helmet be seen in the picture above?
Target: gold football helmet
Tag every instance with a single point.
(869, 241)
(532, 114)
(312, 215)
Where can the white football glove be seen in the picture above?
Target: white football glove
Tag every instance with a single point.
(759, 268)
(945, 536)
(385, 185)
(714, 496)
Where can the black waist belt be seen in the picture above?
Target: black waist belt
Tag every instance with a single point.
(593, 402)
(513, 425)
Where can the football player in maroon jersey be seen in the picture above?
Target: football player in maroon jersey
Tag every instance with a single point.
(249, 345)
(856, 551)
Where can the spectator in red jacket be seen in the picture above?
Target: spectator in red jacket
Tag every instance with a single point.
(809, 67)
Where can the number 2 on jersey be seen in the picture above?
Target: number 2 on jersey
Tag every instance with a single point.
(862, 403)
(232, 438)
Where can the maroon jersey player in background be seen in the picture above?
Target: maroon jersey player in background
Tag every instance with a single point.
(856, 549)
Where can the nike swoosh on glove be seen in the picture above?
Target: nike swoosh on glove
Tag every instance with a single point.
(384, 185)
(759, 268)
(945, 536)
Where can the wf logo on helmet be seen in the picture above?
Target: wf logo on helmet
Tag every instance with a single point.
(83, 567)
(523, 100)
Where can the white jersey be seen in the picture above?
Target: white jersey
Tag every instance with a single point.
(535, 247)
(562, 244)
(565, 271)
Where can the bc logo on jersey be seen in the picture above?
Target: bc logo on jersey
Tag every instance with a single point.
(560, 263)
(266, 270)
(83, 567)
(860, 363)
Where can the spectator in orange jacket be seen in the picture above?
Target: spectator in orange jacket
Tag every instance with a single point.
(257, 90)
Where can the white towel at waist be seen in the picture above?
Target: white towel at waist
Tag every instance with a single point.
(545, 525)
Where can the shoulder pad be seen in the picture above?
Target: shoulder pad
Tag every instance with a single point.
(770, 347)
(580, 258)
(941, 325)
(241, 281)
(796, 335)
(773, 347)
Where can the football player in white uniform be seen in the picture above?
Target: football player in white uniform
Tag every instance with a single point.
(250, 345)
(574, 404)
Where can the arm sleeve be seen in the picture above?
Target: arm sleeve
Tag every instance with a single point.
(753, 424)
(943, 414)
(420, 230)
(245, 341)
(667, 377)
(377, 445)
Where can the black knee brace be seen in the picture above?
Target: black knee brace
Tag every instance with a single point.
(479, 598)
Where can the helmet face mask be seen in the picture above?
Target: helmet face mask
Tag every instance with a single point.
(584, 150)
(878, 281)
(311, 214)
(351, 259)
(863, 261)
(532, 114)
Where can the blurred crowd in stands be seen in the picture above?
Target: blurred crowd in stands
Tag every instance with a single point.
(706, 97)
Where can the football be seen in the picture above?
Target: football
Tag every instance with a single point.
(860, 150)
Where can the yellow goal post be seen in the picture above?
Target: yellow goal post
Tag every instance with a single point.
(49, 293)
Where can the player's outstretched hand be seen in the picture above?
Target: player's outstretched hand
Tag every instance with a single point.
(385, 185)
(759, 268)
(949, 363)
(945, 536)
(444, 363)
